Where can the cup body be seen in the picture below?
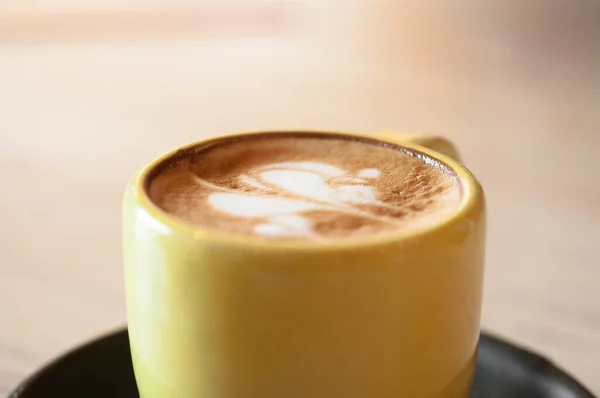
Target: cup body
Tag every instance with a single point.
(218, 316)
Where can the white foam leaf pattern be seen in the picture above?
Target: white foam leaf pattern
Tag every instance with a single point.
(258, 206)
(303, 186)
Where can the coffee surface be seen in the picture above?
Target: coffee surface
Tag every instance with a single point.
(305, 187)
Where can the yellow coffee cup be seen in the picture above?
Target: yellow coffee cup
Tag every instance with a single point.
(213, 315)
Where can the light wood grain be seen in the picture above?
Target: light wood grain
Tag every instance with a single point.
(517, 88)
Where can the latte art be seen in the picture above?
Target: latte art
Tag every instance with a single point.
(305, 188)
(280, 194)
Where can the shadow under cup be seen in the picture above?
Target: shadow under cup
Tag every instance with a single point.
(227, 316)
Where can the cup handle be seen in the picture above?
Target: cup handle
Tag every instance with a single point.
(432, 142)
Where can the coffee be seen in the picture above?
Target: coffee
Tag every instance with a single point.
(304, 186)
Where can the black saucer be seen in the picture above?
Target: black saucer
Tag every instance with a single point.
(102, 369)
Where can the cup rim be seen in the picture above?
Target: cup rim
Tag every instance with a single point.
(471, 198)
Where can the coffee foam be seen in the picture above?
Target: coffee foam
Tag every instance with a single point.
(305, 187)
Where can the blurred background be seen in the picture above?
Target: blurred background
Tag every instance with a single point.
(90, 91)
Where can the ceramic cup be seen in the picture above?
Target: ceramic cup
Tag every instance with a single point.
(217, 315)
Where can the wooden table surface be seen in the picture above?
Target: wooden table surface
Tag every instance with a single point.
(516, 87)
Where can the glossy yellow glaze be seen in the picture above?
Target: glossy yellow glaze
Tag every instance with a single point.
(213, 315)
